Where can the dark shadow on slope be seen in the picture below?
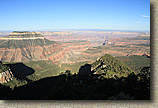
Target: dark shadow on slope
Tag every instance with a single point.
(20, 70)
(84, 71)
(40, 89)
(4, 92)
(92, 88)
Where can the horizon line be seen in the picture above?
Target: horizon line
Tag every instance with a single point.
(77, 30)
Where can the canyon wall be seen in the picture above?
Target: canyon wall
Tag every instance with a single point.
(53, 52)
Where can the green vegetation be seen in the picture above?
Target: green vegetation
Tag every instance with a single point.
(3, 67)
(15, 83)
(138, 38)
(70, 86)
(109, 79)
(75, 41)
(110, 67)
(146, 45)
(42, 69)
(47, 69)
(73, 67)
(135, 62)
(20, 31)
(126, 77)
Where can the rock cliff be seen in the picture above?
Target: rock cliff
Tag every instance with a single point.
(5, 73)
(31, 46)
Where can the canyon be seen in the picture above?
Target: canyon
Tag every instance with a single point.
(71, 46)
(31, 46)
(32, 57)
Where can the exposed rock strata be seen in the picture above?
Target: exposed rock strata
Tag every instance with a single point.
(41, 49)
(26, 46)
(5, 74)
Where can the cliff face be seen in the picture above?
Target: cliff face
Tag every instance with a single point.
(21, 46)
(27, 53)
(51, 52)
(69, 51)
(5, 74)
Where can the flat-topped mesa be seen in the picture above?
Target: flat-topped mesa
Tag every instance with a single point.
(25, 33)
(25, 46)
(23, 39)
(22, 36)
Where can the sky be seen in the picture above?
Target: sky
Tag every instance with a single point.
(27, 15)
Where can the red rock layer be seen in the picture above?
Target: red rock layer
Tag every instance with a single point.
(52, 52)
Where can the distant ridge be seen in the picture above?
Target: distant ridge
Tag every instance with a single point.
(32, 46)
(25, 34)
(20, 31)
(19, 39)
(24, 46)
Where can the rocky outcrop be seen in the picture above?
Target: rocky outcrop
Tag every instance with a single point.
(5, 74)
(110, 67)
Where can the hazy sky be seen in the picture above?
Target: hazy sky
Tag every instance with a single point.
(75, 14)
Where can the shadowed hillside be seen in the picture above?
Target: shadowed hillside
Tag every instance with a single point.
(87, 84)
(68, 86)
(20, 70)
